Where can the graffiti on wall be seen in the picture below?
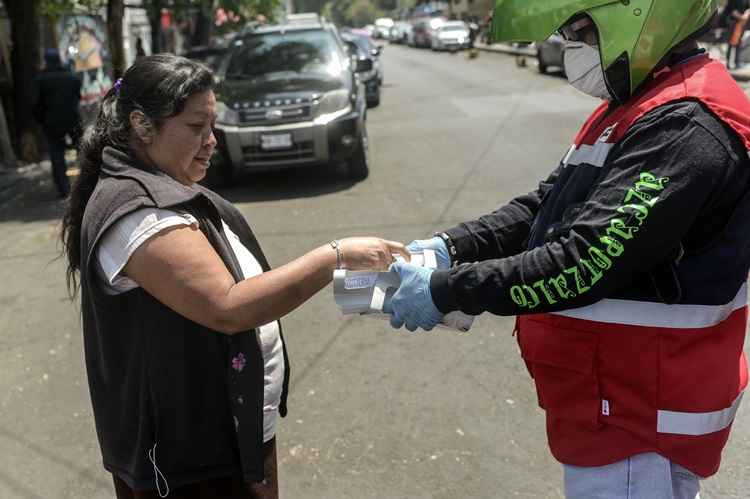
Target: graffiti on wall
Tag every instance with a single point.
(83, 46)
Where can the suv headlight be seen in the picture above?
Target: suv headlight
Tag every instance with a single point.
(226, 116)
(332, 105)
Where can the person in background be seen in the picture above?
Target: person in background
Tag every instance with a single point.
(627, 268)
(735, 17)
(139, 50)
(185, 359)
(56, 94)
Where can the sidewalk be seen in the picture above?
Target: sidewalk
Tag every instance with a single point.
(15, 181)
(742, 74)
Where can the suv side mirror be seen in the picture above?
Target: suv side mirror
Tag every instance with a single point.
(363, 65)
(376, 51)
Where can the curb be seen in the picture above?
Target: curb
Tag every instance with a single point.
(504, 48)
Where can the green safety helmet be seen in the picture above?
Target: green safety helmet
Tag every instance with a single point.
(634, 35)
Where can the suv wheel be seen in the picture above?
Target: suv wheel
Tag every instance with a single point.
(358, 166)
(541, 65)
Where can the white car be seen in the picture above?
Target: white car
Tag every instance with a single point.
(383, 27)
(452, 35)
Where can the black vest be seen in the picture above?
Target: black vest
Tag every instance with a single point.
(161, 383)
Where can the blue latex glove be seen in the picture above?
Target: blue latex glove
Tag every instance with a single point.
(438, 245)
(412, 303)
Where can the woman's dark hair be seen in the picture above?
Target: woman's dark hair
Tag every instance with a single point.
(158, 87)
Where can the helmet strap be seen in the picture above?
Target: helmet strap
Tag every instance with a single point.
(617, 77)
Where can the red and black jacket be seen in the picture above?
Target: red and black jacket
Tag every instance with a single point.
(627, 269)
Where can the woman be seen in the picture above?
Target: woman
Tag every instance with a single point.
(185, 359)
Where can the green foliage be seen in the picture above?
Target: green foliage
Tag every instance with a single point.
(352, 13)
(57, 8)
(246, 9)
(362, 12)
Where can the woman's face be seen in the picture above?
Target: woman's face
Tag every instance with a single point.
(183, 145)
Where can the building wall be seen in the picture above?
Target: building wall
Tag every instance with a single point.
(135, 25)
(471, 8)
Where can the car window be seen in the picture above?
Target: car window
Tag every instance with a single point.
(365, 43)
(353, 48)
(285, 54)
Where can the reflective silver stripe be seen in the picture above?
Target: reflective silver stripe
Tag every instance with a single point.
(594, 155)
(650, 314)
(696, 423)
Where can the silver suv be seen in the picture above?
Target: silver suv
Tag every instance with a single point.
(289, 97)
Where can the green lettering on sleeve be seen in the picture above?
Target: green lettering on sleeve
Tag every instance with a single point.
(649, 181)
(599, 258)
(534, 297)
(618, 228)
(614, 247)
(596, 274)
(580, 283)
(636, 205)
(541, 286)
(647, 199)
(641, 212)
(560, 283)
(518, 296)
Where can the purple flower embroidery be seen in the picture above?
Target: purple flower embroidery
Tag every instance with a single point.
(238, 362)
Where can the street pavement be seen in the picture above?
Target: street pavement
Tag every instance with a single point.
(373, 412)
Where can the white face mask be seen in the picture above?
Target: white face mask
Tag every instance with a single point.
(583, 67)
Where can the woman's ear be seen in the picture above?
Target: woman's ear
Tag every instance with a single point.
(142, 127)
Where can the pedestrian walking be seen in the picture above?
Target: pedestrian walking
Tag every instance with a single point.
(735, 17)
(139, 50)
(186, 362)
(56, 94)
(627, 267)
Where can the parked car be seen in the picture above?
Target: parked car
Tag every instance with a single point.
(433, 24)
(358, 50)
(400, 32)
(374, 50)
(210, 56)
(421, 33)
(453, 35)
(289, 96)
(551, 53)
(383, 26)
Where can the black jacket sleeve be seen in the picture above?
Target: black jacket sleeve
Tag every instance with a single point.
(653, 186)
(503, 232)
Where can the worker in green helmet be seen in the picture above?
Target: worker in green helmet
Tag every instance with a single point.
(627, 267)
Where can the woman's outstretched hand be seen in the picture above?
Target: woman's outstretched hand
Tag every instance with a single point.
(370, 253)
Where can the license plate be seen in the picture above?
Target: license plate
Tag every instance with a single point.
(276, 141)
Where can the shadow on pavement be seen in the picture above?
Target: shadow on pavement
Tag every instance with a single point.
(38, 201)
(287, 184)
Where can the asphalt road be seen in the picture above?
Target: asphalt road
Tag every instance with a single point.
(374, 412)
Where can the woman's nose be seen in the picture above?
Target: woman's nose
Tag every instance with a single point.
(210, 140)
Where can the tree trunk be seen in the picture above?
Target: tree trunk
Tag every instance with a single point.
(24, 59)
(204, 24)
(155, 18)
(115, 13)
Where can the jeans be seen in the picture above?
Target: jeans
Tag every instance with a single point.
(56, 145)
(644, 476)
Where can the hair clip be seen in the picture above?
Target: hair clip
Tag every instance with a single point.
(117, 85)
